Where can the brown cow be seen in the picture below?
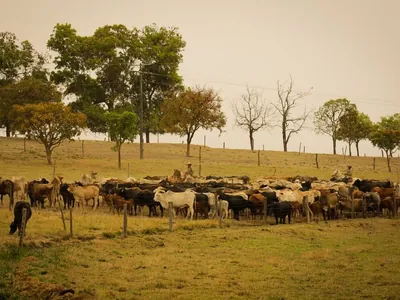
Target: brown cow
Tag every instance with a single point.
(316, 209)
(296, 208)
(329, 205)
(387, 206)
(257, 204)
(118, 204)
(383, 192)
(345, 205)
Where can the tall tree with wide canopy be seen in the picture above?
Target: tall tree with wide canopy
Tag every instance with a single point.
(191, 110)
(102, 70)
(327, 118)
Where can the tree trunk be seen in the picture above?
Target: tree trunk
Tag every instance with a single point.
(358, 150)
(188, 142)
(349, 149)
(334, 144)
(48, 155)
(285, 142)
(147, 135)
(251, 141)
(388, 161)
(8, 131)
(119, 157)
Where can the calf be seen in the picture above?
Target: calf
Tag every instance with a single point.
(17, 223)
(236, 203)
(118, 204)
(7, 188)
(316, 209)
(386, 206)
(67, 196)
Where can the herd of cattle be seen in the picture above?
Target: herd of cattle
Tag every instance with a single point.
(211, 196)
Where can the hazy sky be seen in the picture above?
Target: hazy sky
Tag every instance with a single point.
(341, 48)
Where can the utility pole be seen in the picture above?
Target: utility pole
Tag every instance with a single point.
(141, 113)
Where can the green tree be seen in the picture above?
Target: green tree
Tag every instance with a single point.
(29, 90)
(354, 127)
(103, 69)
(122, 127)
(386, 135)
(327, 118)
(191, 110)
(18, 61)
(50, 123)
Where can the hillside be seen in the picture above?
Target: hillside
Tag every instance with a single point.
(161, 159)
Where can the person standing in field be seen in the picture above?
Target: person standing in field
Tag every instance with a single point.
(189, 171)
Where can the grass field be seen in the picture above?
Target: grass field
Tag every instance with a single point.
(345, 259)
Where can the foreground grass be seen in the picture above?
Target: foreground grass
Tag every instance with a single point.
(162, 159)
(350, 259)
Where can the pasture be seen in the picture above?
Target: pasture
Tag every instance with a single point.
(343, 259)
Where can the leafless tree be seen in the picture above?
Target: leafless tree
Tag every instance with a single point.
(252, 113)
(288, 100)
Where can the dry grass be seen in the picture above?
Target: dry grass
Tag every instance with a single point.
(339, 260)
(336, 260)
(161, 159)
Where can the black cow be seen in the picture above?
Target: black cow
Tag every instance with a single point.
(367, 185)
(271, 198)
(236, 203)
(67, 196)
(146, 197)
(17, 223)
(280, 210)
(201, 205)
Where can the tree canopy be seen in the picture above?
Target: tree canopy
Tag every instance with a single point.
(50, 123)
(354, 127)
(122, 127)
(191, 110)
(327, 118)
(103, 69)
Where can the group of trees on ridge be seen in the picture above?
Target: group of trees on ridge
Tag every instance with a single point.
(107, 73)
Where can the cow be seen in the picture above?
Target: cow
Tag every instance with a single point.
(280, 210)
(236, 203)
(372, 201)
(316, 209)
(345, 204)
(88, 178)
(367, 185)
(67, 196)
(224, 208)
(17, 223)
(20, 187)
(85, 193)
(7, 188)
(179, 200)
(329, 205)
(38, 191)
(146, 197)
(256, 204)
(386, 206)
(383, 192)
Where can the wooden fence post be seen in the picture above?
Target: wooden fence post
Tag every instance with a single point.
(200, 161)
(223, 145)
(125, 220)
(316, 160)
(23, 225)
(71, 234)
(24, 144)
(304, 149)
(83, 148)
(219, 213)
(373, 164)
(205, 140)
(307, 208)
(259, 159)
(170, 214)
(300, 148)
(62, 212)
(263, 147)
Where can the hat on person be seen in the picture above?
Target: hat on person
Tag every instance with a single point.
(189, 163)
(349, 167)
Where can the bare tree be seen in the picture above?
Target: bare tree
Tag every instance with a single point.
(252, 114)
(288, 100)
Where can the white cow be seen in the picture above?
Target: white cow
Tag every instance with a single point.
(179, 200)
(224, 208)
(88, 178)
(20, 187)
(85, 193)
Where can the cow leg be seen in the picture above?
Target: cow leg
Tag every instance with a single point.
(289, 218)
(276, 219)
